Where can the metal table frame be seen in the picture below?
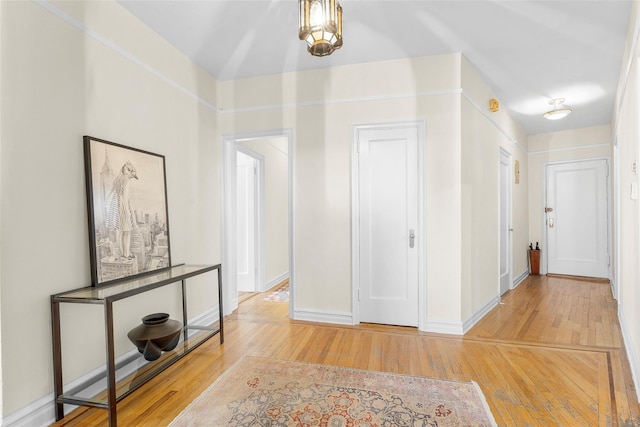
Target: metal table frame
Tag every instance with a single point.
(106, 296)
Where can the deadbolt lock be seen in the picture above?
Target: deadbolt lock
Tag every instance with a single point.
(548, 210)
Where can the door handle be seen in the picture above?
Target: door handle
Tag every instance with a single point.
(412, 238)
(551, 222)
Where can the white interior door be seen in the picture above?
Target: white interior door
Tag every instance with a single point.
(246, 222)
(577, 218)
(388, 226)
(505, 222)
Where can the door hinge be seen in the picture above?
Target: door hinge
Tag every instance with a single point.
(358, 294)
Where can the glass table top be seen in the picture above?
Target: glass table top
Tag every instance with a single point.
(136, 285)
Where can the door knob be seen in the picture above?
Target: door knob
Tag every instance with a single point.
(412, 238)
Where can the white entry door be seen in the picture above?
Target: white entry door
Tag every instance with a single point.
(577, 218)
(388, 225)
(246, 222)
(505, 222)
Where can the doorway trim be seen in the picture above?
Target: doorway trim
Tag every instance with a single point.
(615, 235)
(231, 144)
(509, 183)
(420, 126)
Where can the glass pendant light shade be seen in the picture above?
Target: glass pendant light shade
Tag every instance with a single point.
(559, 111)
(338, 44)
(320, 26)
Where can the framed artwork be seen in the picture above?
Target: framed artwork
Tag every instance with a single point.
(128, 213)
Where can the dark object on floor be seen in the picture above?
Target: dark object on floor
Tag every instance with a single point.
(156, 334)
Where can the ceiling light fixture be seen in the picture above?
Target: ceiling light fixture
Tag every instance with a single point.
(320, 26)
(559, 111)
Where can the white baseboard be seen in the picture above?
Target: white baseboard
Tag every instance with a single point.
(632, 353)
(276, 280)
(461, 328)
(41, 412)
(613, 285)
(311, 315)
(475, 318)
(444, 327)
(520, 278)
(38, 413)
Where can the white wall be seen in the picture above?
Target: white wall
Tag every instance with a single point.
(483, 134)
(1, 201)
(70, 69)
(626, 131)
(323, 106)
(75, 68)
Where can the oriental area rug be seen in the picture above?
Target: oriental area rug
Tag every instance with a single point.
(272, 392)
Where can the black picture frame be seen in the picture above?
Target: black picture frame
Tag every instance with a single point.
(127, 209)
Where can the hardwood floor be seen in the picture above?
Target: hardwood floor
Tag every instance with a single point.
(551, 354)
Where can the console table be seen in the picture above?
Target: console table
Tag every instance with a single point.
(106, 296)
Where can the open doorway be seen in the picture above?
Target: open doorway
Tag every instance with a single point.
(257, 218)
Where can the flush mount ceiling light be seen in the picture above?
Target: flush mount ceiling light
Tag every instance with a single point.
(320, 26)
(559, 111)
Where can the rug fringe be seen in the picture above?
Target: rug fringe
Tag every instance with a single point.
(486, 404)
(204, 392)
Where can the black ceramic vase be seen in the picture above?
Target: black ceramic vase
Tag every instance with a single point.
(157, 333)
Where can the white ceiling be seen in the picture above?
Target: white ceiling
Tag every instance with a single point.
(528, 51)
